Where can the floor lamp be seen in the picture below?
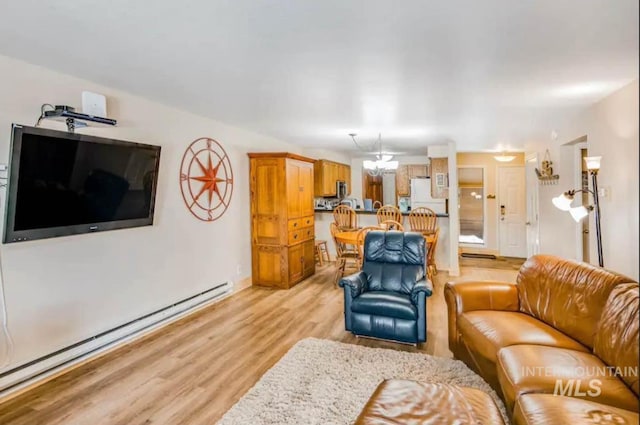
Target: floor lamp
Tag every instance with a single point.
(563, 202)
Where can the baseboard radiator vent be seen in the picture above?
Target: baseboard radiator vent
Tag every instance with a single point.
(28, 374)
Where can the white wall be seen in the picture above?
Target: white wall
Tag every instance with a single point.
(611, 127)
(613, 134)
(331, 155)
(62, 290)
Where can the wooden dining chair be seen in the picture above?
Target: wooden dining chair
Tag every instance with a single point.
(432, 243)
(389, 212)
(362, 233)
(425, 221)
(392, 225)
(345, 218)
(344, 254)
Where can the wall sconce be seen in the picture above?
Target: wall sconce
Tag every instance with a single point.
(563, 202)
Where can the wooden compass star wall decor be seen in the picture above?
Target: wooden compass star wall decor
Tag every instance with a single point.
(206, 179)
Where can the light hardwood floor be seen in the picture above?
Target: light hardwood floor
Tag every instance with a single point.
(194, 370)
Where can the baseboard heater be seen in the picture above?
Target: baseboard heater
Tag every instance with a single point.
(474, 255)
(38, 369)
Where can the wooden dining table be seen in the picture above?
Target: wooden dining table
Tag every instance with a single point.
(349, 237)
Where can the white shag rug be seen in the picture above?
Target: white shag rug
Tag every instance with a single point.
(326, 382)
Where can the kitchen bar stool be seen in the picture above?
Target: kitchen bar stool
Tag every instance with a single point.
(322, 251)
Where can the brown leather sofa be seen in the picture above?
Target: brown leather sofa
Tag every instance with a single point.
(560, 345)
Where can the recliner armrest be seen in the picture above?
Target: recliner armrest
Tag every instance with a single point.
(422, 286)
(356, 282)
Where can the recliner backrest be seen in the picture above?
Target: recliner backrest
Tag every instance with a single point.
(393, 261)
(566, 294)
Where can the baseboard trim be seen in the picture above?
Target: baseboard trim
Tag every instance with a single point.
(27, 378)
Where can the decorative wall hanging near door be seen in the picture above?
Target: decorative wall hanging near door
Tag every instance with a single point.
(206, 179)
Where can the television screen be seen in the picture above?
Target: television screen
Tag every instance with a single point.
(64, 183)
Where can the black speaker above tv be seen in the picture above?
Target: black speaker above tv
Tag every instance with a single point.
(64, 183)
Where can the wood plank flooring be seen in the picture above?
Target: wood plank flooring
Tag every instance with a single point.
(193, 371)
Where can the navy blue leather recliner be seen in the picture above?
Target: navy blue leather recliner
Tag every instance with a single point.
(387, 298)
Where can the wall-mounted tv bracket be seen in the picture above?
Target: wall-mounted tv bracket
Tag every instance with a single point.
(72, 118)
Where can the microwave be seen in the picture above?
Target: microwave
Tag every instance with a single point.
(341, 189)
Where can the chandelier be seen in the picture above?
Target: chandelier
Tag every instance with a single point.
(381, 164)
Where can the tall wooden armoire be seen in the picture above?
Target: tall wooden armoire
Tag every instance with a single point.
(282, 225)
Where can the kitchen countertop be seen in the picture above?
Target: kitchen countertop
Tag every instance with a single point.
(373, 212)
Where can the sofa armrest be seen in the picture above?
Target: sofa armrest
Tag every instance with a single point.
(356, 282)
(463, 297)
(471, 296)
(422, 286)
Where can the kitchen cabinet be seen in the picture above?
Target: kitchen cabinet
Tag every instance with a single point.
(417, 170)
(282, 219)
(440, 178)
(326, 173)
(402, 181)
(405, 173)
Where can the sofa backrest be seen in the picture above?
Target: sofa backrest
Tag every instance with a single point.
(616, 339)
(393, 261)
(566, 294)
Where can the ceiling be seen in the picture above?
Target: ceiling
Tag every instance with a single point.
(490, 75)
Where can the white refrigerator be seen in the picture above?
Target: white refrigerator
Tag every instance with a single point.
(421, 196)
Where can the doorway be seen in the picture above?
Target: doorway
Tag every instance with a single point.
(372, 187)
(512, 211)
(471, 206)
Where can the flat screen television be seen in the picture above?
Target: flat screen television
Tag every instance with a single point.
(63, 183)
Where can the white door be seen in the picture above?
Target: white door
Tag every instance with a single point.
(512, 211)
(532, 229)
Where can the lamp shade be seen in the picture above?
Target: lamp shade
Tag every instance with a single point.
(380, 165)
(563, 202)
(592, 162)
(578, 213)
(369, 165)
(391, 165)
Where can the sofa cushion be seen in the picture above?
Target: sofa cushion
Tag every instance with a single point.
(399, 401)
(486, 332)
(524, 369)
(566, 294)
(383, 303)
(616, 340)
(547, 409)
